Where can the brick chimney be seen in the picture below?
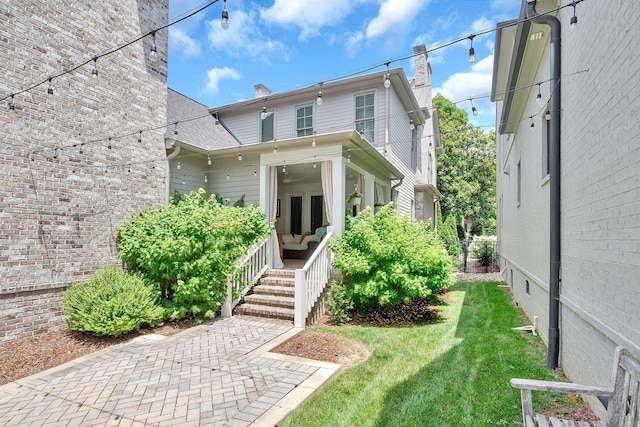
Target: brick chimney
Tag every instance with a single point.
(261, 91)
(422, 68)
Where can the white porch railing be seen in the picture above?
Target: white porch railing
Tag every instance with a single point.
(248, 270)
(311, 281)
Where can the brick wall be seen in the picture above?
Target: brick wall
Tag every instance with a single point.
(64, 191)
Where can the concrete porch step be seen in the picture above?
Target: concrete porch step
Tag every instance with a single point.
(270, 300)
(265, 311)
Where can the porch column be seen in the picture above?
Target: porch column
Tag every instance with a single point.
(339, 196)
(369, 190)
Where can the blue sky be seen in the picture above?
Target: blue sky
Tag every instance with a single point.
(289, 44)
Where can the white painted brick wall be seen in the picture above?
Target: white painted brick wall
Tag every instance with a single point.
(600, 191)
(59, 209)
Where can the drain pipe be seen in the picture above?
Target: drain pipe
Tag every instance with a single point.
(554, 182)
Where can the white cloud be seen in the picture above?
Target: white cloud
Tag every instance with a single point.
(394, 15)
(243, 38)
(481, 24)
(308, 15)
(182, 44)
(472, 84)
(216, 74)
(352, 46)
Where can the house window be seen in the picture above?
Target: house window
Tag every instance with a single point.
(304, 120)
(519, 190)
(365, 117)
(414, 148)
(267, 126)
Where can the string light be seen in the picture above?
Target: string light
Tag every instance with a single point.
(387, 77)
(228, 174)
(205, 178)
(12, 106)
(224, 21)
(255, 173)
(179, 166)
(319, 99)
(472, 52)
(412, 126)
(547, 115)
(175, 129)
(153, 53)
(50, 88)
(275, 149)
(474, 110)
(284, 168)
(94, 72)
(539, 96)
(314, 162)
(313, 142)
(532, 124)
(184, 177)
(349, 156)
(109, 146)
(263, 114)
(140, 137)
(239, 155)
(573, 23)
(208, 159)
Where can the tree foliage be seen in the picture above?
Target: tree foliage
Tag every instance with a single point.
(189, 247)
(387, 258)
(466, 168)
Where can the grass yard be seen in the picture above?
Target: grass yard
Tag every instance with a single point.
(453, 373)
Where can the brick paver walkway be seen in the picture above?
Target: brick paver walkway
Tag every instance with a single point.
(218, 374)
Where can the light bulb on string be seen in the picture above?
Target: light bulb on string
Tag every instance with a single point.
(153, 53)
(263, 114)
(208, 159)
(348, 156)
(239, 155)
(284, 168)
(175, 129)
(387, 78)
(412, 126)
(12, 106)
(275, 149)
(184, 179)
(205, 178)
(472, 51)
(109, 146)
(532, 124)
(179, 166)
(94, 72)
(319, 99)
(474, 110)
(50, 88)
(228, 174)
(539, 95)
(547, 115)
(314, 162)
(224, 20)
(313, 142)
(140, 137)
(255, 173)
(573, 23)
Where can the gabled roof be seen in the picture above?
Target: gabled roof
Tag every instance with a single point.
(196, 126)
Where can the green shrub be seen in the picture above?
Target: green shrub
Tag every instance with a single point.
(448, 234)
(189, 248)
(112, 302)
(483, 248)
(386, 258)
(339, 302)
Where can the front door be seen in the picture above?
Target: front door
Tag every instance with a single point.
(317, 207)
(296, 215)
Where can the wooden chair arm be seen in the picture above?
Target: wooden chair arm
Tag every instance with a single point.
(560, 387)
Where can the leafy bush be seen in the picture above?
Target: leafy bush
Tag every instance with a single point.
(483, 248)
(112, 302)
(189, 248)
(386, 258)
(448, 234)
(339, 302)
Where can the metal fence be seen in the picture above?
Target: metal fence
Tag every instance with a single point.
(479, 255)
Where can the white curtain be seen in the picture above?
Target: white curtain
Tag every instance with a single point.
(379, 194)
(327, 189)
(273, 200)
(361, 190)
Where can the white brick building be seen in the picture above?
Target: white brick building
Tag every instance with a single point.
(599, 179)
(63, 189)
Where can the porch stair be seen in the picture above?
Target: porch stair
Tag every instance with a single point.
(272, 297)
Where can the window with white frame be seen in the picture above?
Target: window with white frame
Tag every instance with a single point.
(267, 126)
(304, 120)
(365, 115)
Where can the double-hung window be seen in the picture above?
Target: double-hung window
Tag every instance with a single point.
(267, 126)
(304, 120)
(365, 115)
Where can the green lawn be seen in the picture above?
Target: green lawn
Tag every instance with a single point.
(452, 373)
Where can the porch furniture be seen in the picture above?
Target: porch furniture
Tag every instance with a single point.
(298, 246)
(622, 397)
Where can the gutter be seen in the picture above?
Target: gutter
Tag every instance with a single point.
(554, 178)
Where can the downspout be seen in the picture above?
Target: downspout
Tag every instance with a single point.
(394, 186)
(387, 131)
(554, 182)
